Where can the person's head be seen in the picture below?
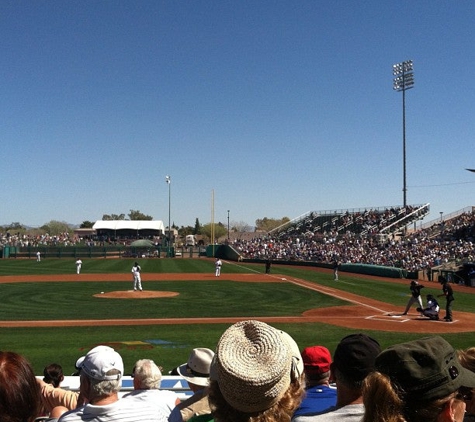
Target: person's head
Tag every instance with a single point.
(19, 390)
(257, 374)
(101, 372)
(196, 370)
(414, 283)
(316, 362)
(53, 374)
(353, 360)
(467, 360)
(429, 297)
(147, 375)
(418, 381)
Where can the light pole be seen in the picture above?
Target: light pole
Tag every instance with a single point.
(441, 213)
(168, 180)
(228, 225)
(404, 80)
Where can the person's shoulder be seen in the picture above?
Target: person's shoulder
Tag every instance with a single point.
(350, 413)
(72, 415)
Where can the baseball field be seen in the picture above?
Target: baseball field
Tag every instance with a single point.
(51, 314)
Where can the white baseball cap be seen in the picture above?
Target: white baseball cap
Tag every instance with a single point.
(99, 361)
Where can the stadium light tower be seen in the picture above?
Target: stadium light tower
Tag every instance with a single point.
(168, 180)
(404, 80)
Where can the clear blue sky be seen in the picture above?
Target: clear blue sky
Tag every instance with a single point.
(278, 107)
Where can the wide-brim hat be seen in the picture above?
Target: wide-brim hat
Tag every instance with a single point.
(255, 364)
(197, 369)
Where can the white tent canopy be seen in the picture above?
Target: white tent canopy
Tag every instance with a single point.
(129, 225)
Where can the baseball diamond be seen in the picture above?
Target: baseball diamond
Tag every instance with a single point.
(363, 313)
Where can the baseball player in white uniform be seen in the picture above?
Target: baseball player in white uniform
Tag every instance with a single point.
(137, 278)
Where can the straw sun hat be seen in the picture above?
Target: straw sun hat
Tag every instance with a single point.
(254, 365)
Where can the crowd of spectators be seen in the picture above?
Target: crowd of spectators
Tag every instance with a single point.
(447, 241)
(257, 373)
(35, 240)
(364, 237)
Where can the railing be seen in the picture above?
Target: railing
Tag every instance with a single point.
(169, 382)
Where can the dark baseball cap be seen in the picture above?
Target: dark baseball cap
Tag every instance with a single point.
(355, 356)
(427, 367)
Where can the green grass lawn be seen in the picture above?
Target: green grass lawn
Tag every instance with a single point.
(169, 345)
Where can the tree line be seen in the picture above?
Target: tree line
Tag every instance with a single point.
(55, 227)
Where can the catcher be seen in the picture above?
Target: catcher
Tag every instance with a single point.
(432, 308)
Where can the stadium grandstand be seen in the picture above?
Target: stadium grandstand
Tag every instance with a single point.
(386, 236)
(392, 237)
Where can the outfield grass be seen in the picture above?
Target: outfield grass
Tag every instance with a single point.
(169, 345)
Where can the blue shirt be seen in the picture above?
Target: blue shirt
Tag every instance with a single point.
(317, 399)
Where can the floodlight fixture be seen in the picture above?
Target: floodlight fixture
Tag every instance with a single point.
(168, 180)
(404, 80)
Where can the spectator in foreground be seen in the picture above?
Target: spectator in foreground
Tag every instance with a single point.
(467, 360)
(319, 395)
(418, 381)
(257, 375)
(19, 392)
(147, 379)
(196, 373)
(353, 360)
(101, 373)
(53, 374)
(52, 395)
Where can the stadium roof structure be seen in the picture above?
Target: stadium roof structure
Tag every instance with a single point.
(136, 225)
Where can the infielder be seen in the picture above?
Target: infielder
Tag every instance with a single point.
(218, 265)
(78, 266)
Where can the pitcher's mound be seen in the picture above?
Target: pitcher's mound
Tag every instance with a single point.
(131, 294)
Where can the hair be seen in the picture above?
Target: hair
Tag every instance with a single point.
(386, 402)
(467, 358)
(313, 377)
(147, 374)
(53, 374)
(103, 388)
(19, 391)
(347, 380)
(282, 411)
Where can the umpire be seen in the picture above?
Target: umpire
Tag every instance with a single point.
(449, 297)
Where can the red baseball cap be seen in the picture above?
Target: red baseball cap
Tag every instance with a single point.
(316, 359)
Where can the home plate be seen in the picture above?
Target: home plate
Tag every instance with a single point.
(386, 317)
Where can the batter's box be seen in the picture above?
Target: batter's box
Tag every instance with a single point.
(386, 318)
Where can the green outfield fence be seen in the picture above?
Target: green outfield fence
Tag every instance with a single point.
(217, 250)
(119, 251)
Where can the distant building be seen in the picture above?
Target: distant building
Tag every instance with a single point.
(128, 228)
